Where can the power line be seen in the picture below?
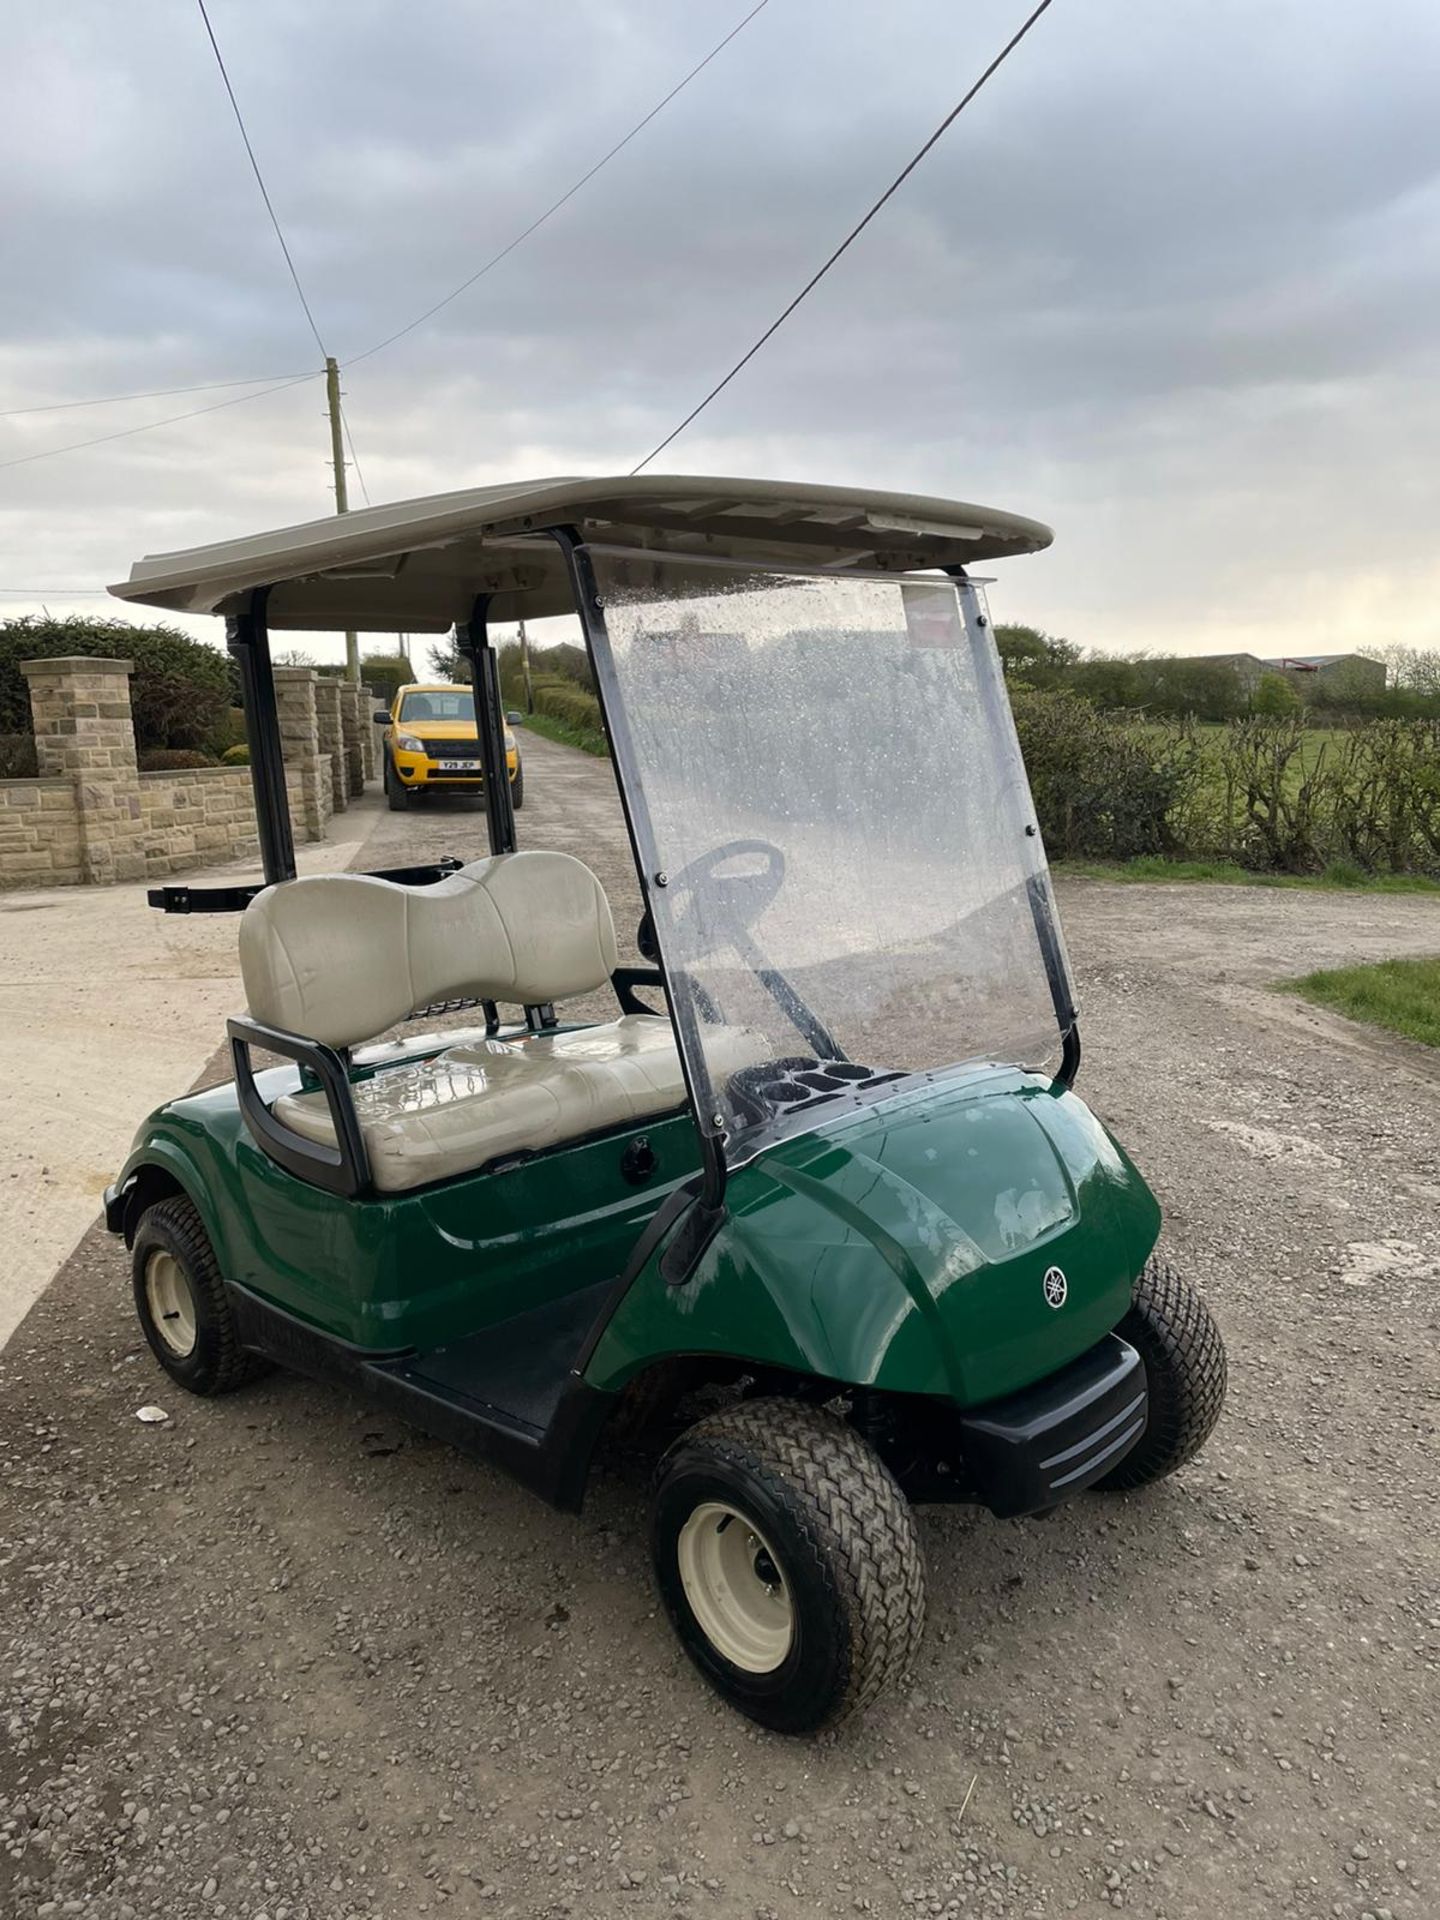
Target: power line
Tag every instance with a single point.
(155, 393)
(853, 235)
(569, 194)
(60, 593)
(276, 385)
(259, 177)
(126, 433)
(280, 236)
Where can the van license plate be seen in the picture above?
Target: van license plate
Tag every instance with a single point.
(458, 766)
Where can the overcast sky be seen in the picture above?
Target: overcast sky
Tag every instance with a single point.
(1171, 284)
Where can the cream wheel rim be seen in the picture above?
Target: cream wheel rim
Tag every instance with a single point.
(736, 1587)
(171, 1303)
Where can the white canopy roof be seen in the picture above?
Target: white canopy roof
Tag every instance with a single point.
(418, 565)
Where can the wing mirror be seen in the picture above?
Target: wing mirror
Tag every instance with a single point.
(382, 718)
(514, 718)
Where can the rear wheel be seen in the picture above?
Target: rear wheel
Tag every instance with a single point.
(1185, 1373)
(789, 1563)
(182, 1303)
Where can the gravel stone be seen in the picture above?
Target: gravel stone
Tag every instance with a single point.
(280, 1657)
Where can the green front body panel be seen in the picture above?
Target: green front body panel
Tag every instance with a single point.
(902, 1245)
(408, 1269)
(905, 1246)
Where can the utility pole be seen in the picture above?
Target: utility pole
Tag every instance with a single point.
(342, 497)
(525, 669)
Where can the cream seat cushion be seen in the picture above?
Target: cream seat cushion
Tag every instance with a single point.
(483, 1100)
(339, 957)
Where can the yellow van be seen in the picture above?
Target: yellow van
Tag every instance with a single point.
(432, 746)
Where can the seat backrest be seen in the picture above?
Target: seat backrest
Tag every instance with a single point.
(339, 957)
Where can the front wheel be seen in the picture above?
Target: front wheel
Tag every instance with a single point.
(517, 789)
(789, 1563)
(184, 1309)
(1185, 1373)
(397, 795)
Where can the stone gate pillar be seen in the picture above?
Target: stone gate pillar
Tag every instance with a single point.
(307, 770)
(83, 731)
(352, 713)
(370, 703)
(331, 728)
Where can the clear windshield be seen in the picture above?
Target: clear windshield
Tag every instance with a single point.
(826, 773)
(439, 703)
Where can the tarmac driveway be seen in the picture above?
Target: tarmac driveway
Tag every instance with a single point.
(283, 1657)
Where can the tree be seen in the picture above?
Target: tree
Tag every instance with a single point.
(1409, 669)
(385, 672)
(1274, 694)
(564, 662)
(567, 661)
(179, 691)
(1036, 658)
(1183, 688)
(1106, 680)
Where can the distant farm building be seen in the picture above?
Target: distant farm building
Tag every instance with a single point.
(1350, 672)
(1342, 672)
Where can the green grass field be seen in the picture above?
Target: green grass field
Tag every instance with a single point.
(587, 740)
(1318, 745)
(1401, 995)
(1336, 878)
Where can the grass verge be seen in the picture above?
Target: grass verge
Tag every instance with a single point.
(1403, 995)
(1337, 878)
(587, 739)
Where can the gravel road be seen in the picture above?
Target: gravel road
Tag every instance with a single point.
(283, 1658)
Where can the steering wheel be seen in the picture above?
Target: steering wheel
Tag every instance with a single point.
(729, 888)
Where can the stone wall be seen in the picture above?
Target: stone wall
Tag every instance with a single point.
(197, 817)
(92, 816)
(307, 769)
(39, 834)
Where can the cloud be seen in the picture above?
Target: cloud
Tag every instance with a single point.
(1168, 284)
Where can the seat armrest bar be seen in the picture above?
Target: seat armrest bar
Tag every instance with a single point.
(343, 1168)
(626, 979)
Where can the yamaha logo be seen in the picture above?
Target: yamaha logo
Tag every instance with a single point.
(1057, 1288)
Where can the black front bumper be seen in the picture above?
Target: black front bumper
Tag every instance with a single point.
(1036, 1447)
(114, 1209)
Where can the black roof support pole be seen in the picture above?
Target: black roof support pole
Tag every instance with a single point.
(248, 638)
(473, 638)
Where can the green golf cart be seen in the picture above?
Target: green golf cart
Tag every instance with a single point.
(812, 1195)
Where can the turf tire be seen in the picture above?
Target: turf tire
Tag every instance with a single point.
(1185, 1372)
(845, 1539)
(217, 1363)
